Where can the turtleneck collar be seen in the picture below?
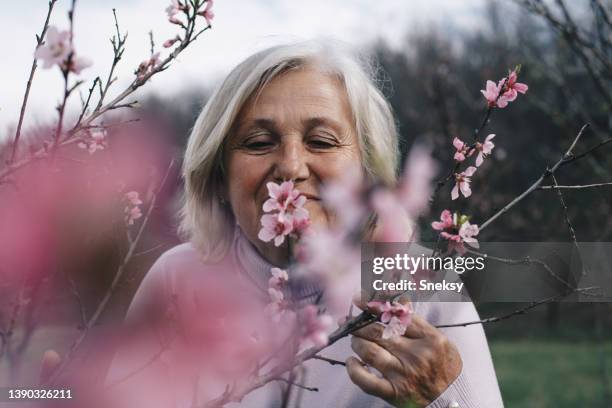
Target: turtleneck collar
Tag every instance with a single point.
(256, 269)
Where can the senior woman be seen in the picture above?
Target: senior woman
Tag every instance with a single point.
(308, 112)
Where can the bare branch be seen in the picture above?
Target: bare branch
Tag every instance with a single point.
(576, 187)
(520, 311)
(39, 41)
(537, 183)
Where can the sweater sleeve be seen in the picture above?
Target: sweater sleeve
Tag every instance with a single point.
(476, 386)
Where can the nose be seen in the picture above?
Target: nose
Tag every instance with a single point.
(291, 161)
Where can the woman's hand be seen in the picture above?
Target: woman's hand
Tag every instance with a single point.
(416, 367)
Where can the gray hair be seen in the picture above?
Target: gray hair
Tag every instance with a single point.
(205, 220)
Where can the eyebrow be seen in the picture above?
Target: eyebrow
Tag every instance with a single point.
(309, 123)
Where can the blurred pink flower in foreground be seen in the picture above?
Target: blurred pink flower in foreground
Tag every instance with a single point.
(396, 316)
(96, 141)
(484, 149)
(462, 183)
(343, 197)
(314, 327)
(132, 210)
(279, 278)
(457, 230)
(415, 184)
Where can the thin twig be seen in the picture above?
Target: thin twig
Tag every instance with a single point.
(520, 311)
(39, 41)
(292, 383)
(576, 187)
(329, 360)
(537, 183)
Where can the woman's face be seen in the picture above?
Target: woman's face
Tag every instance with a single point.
(299, 128)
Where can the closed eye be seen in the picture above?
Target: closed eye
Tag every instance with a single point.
(324, 142)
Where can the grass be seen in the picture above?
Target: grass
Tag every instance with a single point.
(544, 373)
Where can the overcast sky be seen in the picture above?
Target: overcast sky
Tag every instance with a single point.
(240, 28)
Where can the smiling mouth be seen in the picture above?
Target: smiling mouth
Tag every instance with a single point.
(311, 197)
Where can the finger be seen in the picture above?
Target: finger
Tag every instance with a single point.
(372, 332)
(419, 328)
(367, 381)
(373, 354)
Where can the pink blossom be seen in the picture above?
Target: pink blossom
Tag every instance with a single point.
(512, 87)
(279, 278)
(393, 224)
(457, 230)
(207, 13)
(276, 295)
(463, 150)
(491, 93)
(132, 213)
(484, 149)
(133, 198)
(415, 185)
(147, 66)
(396, 316)
(343, 197)
(313, 327)
(292, 217)
(170, 42)
(173, 9)
(282, 197)
(467, 232)
(56, 47)
(275, 227)
(446, 221)
(463, 183)
(95, 142)
(77, 64)
(328, 256)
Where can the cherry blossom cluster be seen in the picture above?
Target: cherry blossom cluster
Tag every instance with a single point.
(462, 152)
(287, 217)
(132, 209)
(456, 228)
(58, 50)
(505, 91)
(395, 316)
(94, 141)
(176, 7)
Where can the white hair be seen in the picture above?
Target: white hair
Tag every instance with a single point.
(205, 220)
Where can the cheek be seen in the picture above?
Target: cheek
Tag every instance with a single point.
(244, 182)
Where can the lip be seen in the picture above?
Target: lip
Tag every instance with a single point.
(311, 196)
